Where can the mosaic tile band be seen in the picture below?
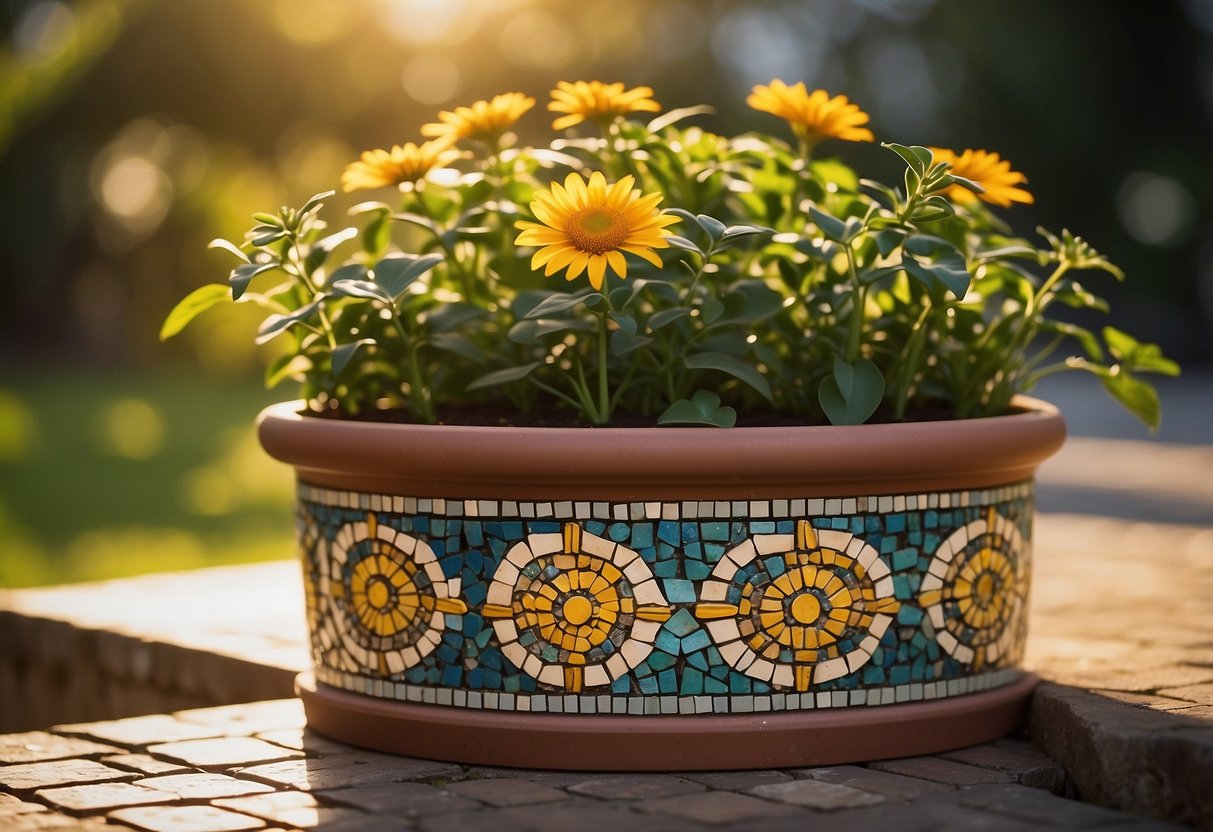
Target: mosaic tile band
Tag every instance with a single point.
(667, 607)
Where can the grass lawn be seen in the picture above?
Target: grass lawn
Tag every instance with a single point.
(108, 475)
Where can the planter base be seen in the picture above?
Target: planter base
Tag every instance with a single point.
(605, 742)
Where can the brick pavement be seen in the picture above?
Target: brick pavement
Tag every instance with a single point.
(256, 767)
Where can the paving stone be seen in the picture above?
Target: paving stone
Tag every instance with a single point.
(636, 787)
(249, 718)
(1130, 758)
(223, 752)
(345, 770)
(204, 785)
(186, 819)
(555, 779)
(292, 809)
(1147, 701)
(140, 731)
(31, 776)
(583, 814)
(735, 781)
(309, 742)
(921, 816)
(402, 799)
(39, 746)
(47, 821)
(506, 792)
(98, 797)
(1135, 681)
(1036, 806)
(1195, 694)
(1024, 763)
(11, 805)
(878, 782)
(941, 771)
(816, 795)
(717, 807)
(144, 764)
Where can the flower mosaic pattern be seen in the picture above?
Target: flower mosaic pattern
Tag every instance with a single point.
(795, 611)
(661, 607)
(391, 593)
(975, 592)
(574, 610)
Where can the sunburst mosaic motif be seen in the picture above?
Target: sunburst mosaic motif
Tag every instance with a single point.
(975, 592)
(798, 611)
(667, 607)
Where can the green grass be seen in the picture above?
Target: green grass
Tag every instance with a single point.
(103, 476)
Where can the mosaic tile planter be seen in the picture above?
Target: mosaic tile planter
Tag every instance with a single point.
(666, 598)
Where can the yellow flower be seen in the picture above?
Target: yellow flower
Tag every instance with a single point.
(596, 100)
(409, 163)
(988, 170)
(484, 120)
(812, 117)
(588, 226)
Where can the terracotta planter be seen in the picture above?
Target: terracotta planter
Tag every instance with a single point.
(666, 598)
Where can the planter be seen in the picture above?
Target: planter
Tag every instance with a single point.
(666, 598)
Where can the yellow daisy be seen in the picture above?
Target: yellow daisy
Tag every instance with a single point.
(814, 116)
(484, 120)
(988, 170)
(588, 226)
(595, 100)
(410, 163)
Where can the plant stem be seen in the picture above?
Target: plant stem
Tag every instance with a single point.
(913, 352)
(854, 333)
(419, 388)
(604, 391)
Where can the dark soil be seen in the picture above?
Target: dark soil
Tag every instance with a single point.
(493, 417)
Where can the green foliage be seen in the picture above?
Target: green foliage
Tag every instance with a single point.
(790, 287)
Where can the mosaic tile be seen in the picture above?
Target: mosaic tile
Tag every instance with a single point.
(666, 607)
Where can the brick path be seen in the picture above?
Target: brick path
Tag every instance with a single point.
(255, 767)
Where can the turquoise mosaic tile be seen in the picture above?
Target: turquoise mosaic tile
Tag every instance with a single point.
(739, 605)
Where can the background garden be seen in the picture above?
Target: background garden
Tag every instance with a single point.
(133, 131)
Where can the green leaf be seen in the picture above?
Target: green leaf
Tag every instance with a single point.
(888, 240)
(242, 276)
(750, 303)
(1134, 395)
(275, 325)
(321, 249)
(377, 234)
(315, 201)
(342, 355)
(667, 316)
(287, 365)
(703, 408)
(261, 240)
(532, 331)
(711, 310)
(395, 273)
(733, 366)
(674, 116)
(361, 289)
(834, 228)
(226, 245)
(684, 243)
(350, 271)
(461, 345)
(505, 376)
(453, 315)
(1086, 339)
(918, 158)
(559, 302)
(851, 394)
(193, 305)
(937, 264)
(711, 226)
(1138, 356)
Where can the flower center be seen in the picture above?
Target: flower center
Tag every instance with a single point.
(597, 230)
(984, 589)
(806, 609)
(577, 610)
(378, 594)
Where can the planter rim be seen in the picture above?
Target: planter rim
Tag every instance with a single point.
(674, 462)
